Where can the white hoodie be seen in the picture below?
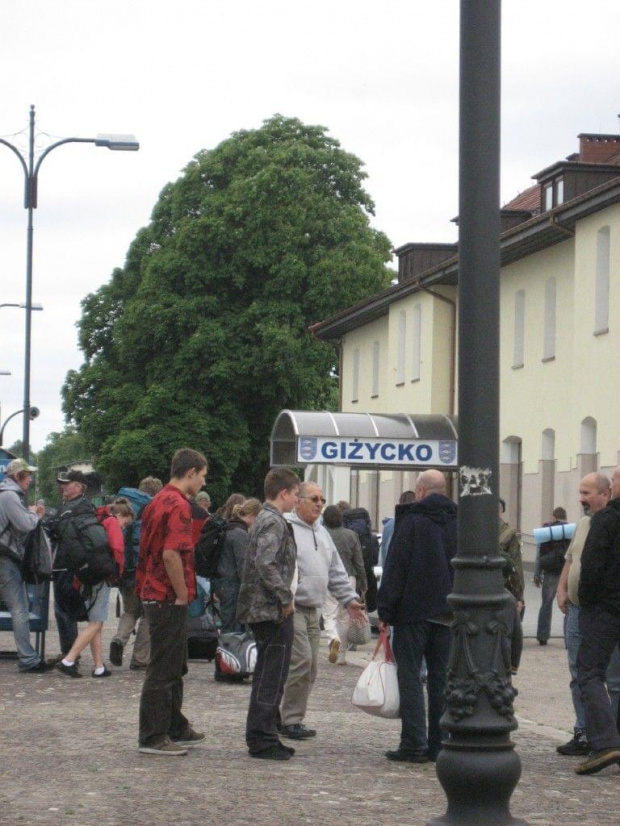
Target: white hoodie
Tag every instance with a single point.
(319, 565)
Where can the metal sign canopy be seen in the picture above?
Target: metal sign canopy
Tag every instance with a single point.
(378, 441)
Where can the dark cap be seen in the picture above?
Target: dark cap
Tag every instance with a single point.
(72, 476)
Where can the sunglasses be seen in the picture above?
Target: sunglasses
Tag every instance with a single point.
(316, 499)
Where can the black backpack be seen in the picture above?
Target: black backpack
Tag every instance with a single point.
(83, 545)
(210, 546)
(358, 520)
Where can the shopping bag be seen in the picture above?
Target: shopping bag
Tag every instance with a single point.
(376, 691)
(359, 630)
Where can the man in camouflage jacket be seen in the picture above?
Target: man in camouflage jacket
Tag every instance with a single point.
(510, 549)
(266, 604)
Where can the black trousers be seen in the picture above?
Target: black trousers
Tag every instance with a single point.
(273, 642)
(162, 691)
(600, 634)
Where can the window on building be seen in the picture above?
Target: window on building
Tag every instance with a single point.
(400, 357)
(519, 338)
(375, 369)
(550, 302)
(417, 342)
(559, 191)
(601, 310)
(548, 196)
(355, 391)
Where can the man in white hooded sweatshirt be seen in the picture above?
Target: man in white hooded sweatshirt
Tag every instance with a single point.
(320, 571)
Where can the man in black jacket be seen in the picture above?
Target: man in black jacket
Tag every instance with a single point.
(599, 624)
(413, 595)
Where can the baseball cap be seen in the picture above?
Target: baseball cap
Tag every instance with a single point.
(16, 466)
(72, 476)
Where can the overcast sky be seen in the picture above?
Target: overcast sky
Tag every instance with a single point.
(383, 78)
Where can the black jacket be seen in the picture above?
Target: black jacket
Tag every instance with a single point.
(599, 582)
(418, 575)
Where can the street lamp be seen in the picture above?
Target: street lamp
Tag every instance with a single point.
(23, 306)
(119, 143)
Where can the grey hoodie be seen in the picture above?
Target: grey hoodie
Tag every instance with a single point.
(16, 521)
(319, 565)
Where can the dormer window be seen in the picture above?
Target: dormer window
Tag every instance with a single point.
(553, 193)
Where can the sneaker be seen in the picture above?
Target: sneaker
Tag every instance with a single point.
(577, 747)
(166, 749)
(116, 652)
(190, 738)
(271, 753)
(599, 760)
(105, 673)
(68, 670)
(40, 668)
(400, 756)
(297, 732)
(289, 749)
(334, 648)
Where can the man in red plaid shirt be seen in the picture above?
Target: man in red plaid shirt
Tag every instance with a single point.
(166, 583)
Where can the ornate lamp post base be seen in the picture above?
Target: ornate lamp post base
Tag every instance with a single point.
(478, 784)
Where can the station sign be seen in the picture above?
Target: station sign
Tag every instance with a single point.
(396, 452)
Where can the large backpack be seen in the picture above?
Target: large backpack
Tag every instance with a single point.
(553, 553)
(138, 501)
(358, 520)
(236, 655)
(83, 545)
(210, 546)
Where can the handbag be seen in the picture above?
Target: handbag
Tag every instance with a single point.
(359, 630)
(376, 691)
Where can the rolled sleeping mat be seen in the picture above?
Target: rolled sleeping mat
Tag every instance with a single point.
(550, 532)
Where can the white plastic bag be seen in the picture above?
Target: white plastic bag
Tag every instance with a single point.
(376, 691)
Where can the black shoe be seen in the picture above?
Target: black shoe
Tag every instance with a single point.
(116, 652)
(105, 673)
(577, 747)
(138, 667)
(68, 670)
(271, 753)
(401, 756)
(598, 760)
(40, 668)
(541, 642)
(288, 749)
(297, 732)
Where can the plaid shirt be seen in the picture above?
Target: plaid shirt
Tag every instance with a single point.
(166, 525)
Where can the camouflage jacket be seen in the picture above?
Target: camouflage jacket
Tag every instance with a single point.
(269, 567)
(510, 549)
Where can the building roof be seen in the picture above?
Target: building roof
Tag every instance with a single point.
(538, 233)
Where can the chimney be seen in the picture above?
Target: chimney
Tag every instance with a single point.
(598, 148)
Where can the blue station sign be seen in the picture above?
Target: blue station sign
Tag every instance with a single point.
(336, 450)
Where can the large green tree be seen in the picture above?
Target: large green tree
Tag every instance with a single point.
(201, 338)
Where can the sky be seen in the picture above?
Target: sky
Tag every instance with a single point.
(182, 76)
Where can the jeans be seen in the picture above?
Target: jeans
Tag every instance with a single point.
(412, 643)
(273, 644)
(132, 619)
(572, 639)
(162, 691)
(549, 588)
(303, 666)
(13, 593)
(600, 635)
(227, 591)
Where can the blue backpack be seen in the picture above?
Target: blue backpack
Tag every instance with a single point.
(138, 501)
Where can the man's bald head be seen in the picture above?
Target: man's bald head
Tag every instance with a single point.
(594, 490)
(430, 481)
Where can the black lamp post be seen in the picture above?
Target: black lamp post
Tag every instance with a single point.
(123, 143)
(478, 766)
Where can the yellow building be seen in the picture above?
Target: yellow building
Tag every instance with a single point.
(560, 342)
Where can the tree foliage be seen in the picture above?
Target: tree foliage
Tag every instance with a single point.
(201, 338)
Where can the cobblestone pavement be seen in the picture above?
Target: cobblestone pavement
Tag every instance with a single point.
(69, 756)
